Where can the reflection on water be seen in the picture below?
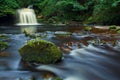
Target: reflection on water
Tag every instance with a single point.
(83, 61)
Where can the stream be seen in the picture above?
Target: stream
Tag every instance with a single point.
(82, 59)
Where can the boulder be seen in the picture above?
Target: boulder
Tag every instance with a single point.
(40, 51)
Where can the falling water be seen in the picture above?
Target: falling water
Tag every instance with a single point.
(26, 17)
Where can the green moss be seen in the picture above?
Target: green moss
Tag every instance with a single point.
(112, 27)
(4, 37)
(3, 45)
(118, 30)
(87, 28)
(57, 78)
(40, 51)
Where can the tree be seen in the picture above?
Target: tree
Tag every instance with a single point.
(106, 12)
(8, 7)
(65, 10)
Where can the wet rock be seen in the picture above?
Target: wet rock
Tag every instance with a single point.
(3, 45)
(62, 34)
(118, 30)
(40, 51)
(112, 27)
(4, 37)
(88, 28)
(4, 54)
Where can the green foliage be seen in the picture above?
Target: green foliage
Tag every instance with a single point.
(26, 3)
(65, 11)
(8, 7)
(106, 12)
(40, 51)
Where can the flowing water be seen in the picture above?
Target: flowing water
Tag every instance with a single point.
(83, 59)
(26, 16)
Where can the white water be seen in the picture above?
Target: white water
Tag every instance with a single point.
(26, 16)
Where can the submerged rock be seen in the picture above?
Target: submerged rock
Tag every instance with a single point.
(40, 51)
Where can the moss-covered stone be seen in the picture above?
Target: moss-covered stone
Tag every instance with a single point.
(4, 37)
(118, 30)
(57, 78)
(40, 51)
(87, 28)
(3, 45)
(112, 27)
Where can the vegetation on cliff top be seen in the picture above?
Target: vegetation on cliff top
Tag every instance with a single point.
(65, 11)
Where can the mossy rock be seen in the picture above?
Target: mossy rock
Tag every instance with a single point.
(3, 45)
(112, 27)
(57, 78)
(4, 37)
(40, 51)
(118, 30)
(88, 28)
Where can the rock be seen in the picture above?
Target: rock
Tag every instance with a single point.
(112, 27)
(118, 30)
(3, 45)
(88, 28)
(4, 37)
(40, 51)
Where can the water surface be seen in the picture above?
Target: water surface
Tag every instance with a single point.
(83, 59)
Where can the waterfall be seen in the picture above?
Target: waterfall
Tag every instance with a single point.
(26, 16)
